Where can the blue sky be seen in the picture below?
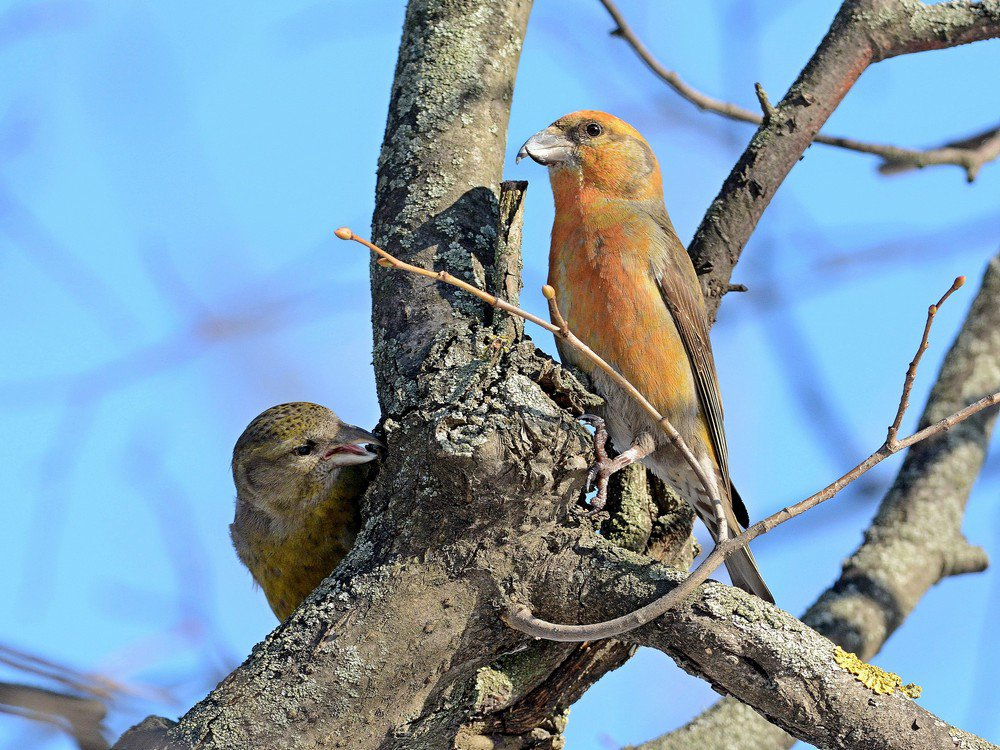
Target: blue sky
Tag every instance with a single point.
(170, 176)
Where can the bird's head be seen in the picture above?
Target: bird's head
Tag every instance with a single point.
(293, 451)
(591, 150)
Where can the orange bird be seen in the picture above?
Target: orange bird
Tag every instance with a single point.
(626, 286)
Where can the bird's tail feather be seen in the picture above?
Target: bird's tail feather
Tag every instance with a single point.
(742, 567)
(745, 574)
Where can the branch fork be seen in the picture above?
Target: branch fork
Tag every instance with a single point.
(891, 440)
(520, 616)
(970, 153)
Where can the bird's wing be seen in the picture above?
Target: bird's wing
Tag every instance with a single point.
(681, 293)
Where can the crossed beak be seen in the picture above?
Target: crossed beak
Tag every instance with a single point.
(350, 446)
(547, 147)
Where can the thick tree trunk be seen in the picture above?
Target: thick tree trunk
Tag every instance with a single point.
(475, 504)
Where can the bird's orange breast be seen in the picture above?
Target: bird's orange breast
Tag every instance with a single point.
(602, 263)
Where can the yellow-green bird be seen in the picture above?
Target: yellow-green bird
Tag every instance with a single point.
(299, 480)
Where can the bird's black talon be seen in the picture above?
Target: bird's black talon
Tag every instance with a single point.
(598, 501)
(592, 419)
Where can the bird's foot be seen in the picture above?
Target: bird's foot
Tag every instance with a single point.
(599, 474)
(604, 466)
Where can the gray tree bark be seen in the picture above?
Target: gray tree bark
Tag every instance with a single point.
(475, 505)
(863, 32)
(915, 540)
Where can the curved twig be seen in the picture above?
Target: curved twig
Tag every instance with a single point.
(521, 618)
(560, 329)
(969, 153)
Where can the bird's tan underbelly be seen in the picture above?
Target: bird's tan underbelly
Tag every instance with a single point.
(626, 421)
(632, 330)
(613, 304)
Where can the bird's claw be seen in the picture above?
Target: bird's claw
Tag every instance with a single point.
(603, 467)
(598, 476)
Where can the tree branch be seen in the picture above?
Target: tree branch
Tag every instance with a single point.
(914, 542)
(437, 193)
(521, 617)
(744, 647)
(79, 717)
(969, 153)
(862, 33)
(644, 517)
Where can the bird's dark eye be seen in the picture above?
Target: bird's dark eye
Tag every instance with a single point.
(305, 449)
(594, 129)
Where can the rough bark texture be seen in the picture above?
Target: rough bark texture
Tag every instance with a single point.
(915, 540)
(476, 448)
(863, 32)
(475, 504)
(436, 199)
(742, 646)
(644, 516)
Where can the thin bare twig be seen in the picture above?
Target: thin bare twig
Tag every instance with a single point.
(969, 153)
(560, 329)
(550, 296)
(100, 686)
(911, 371)
(521, 618)
(765, 104)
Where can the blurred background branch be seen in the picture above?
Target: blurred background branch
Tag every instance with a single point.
(80, 718)
(969, 153)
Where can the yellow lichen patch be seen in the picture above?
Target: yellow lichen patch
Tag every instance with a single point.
(911, 690)
(874, 678)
